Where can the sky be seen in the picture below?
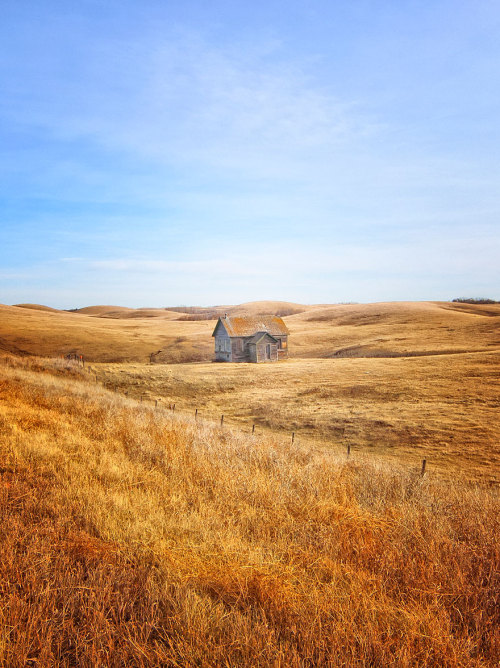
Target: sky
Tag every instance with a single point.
(201, 152)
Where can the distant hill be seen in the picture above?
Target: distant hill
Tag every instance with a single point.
(113, 333)
(390, 329)
(247, 309)
(101, 310)
(281, 309)
(37, 307)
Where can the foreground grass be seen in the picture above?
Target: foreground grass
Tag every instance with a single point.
(131, 538)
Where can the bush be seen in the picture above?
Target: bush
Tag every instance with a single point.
(474, 300)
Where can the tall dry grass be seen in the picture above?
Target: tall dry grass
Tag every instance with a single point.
(130, 537)
(443, 408)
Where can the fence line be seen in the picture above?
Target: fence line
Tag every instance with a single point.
(172, 408)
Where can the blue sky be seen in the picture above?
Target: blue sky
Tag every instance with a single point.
(156, 153)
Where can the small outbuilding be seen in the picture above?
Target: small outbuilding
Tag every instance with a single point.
(262, 338)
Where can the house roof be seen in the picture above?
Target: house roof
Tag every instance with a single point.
(256, 338)
(250, 325)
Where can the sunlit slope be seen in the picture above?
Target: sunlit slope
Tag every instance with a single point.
(132, 537)
(110, 333)
(125, 312)
(281, 309)
(38, 307)
(393, 329)
(34, 332)
(443, 407)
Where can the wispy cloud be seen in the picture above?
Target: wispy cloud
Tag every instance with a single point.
(180, 100)
(175, 150)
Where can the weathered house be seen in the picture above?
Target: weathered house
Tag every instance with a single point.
(262, 338)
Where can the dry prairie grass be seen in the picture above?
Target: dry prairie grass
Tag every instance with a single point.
(392, 378)
(117, 334)
(444, 408)
(133, 537)
(397, 329)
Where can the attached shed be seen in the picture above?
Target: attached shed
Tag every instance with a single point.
(250, 339)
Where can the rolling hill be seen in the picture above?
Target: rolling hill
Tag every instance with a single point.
(111, 333)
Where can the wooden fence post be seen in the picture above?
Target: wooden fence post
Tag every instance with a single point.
(196, 414)
(156, 403)
(348, 449)
(293, 436)
(253, 429)
(222, 421)
(424, 464)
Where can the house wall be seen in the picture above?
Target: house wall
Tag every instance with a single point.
(239, 349)
(261, 352)
(283, 347)
(257, 352)
(223, 351)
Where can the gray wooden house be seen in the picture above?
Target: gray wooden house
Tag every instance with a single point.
(262, 338)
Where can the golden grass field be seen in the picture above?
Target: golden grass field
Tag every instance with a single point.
(443, 408)
(405, 380)
(117, 334)
(401, 380)
(135, 535)
(130, 536)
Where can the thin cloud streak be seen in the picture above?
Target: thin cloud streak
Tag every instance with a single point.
(146, 141)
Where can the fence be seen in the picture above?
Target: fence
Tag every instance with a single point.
(196, 414)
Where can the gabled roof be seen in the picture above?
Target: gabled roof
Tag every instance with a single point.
(250, 325)
(256, 338)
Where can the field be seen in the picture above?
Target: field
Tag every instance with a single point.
(403, 380)
(132, 534)
(443, 408)
(113, 334)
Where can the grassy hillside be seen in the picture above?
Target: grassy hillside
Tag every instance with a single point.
(402, 380)
(110, 333)
(129, 536)
(104, 334)
(444, 407)
(394, 330)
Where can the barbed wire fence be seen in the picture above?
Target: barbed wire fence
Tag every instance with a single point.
(195, 413)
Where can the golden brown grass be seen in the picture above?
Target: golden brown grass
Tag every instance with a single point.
(120, 335)
(394, 329)
(444, 408)
(133, 537)
(390, 378)
(109, 333)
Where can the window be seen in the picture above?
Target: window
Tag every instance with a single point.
(222, 345)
